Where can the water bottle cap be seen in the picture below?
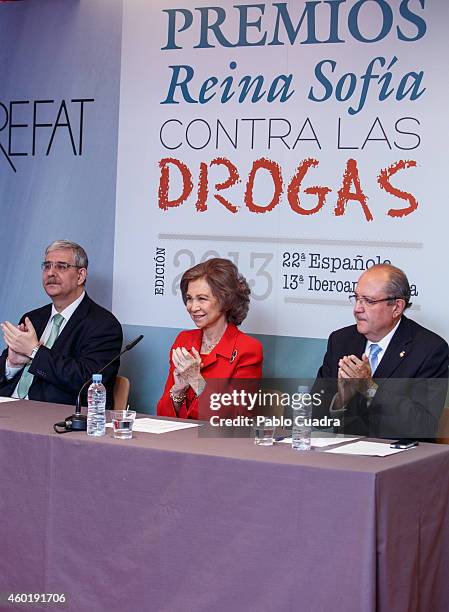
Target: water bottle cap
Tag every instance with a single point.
(303, 389)
(96, 378)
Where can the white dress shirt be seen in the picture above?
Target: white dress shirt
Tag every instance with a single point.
(383, 344)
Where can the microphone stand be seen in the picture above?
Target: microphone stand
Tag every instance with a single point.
(78, 421)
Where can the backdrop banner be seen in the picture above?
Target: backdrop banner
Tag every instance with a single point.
(302, 140)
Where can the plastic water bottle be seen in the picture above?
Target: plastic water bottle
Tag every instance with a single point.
(302, 429)
(96, 405)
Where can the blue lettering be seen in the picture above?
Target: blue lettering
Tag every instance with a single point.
(182, 85)
(284, 94)
(205, 26)
(245, 24)
(227, 84)
(295, 22)
(341, 97)
(413, 18)
(208, 84)
(188, 18)
(323, 80)
(366, 78)
(387, 17)
(413, 90)
(333, 27)
(253, 88)
(385, 80)
(283, 14)
(247, 84)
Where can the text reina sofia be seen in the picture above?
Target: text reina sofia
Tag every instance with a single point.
(288, 25)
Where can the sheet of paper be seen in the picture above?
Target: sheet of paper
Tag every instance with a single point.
(322, 442)
(158, 426)
(8, 399)
(371, 449)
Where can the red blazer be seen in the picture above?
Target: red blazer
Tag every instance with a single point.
(235, 356)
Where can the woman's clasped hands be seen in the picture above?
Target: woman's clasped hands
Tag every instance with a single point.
(187, 369)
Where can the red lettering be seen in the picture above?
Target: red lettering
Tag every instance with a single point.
(203, 188)
(295, 186)
(350, 188)
(276, 176)
(229, 182)
(351, 176)
(164, 183)
(384, 183)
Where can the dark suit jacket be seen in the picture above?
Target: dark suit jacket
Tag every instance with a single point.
(235, 356)
(90, 339)
(412, 378)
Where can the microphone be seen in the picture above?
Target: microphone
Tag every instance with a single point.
(78, 421)
(130, 345)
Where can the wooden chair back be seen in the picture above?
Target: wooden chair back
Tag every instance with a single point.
(121, 393)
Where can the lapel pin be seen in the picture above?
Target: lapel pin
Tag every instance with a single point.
(401, 354)
(233, 356)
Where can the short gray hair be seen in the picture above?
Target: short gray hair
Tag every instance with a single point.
(79, 253)
(397, 285)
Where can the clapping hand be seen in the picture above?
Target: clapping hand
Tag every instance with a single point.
(187, 368)
(354, 375)
(20, 339)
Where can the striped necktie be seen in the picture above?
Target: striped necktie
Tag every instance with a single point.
(26, 379)
(374, 351)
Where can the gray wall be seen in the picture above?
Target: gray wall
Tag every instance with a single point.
(52, 50)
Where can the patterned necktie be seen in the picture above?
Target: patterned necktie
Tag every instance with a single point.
(374, 351)
(26, 379)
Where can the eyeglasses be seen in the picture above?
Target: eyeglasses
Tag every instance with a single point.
(59, 266)
(368, 302)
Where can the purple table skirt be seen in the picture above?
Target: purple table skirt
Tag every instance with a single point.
(183, 522)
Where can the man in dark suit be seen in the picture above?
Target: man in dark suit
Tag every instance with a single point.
(385, 376)
(56, 348)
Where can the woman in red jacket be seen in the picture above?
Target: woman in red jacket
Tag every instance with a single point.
(217, 299)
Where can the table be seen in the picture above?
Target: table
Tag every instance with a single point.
(182, 522)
